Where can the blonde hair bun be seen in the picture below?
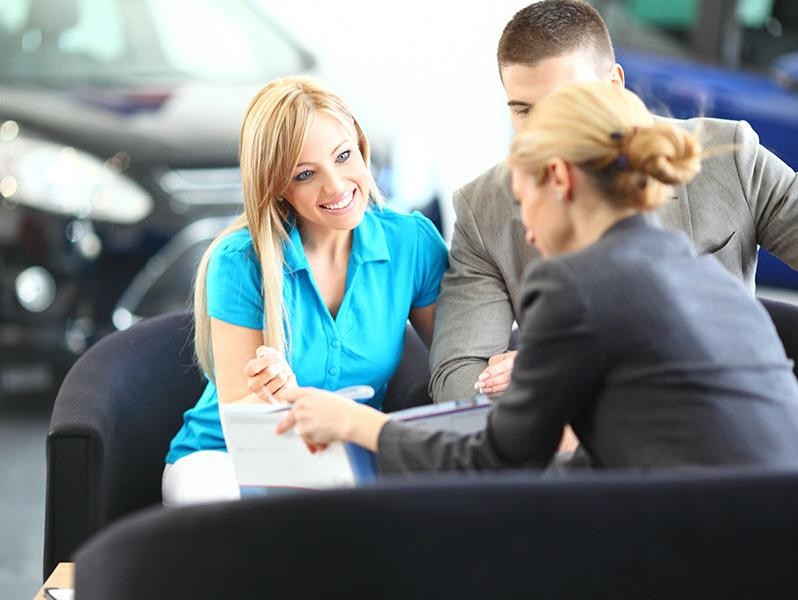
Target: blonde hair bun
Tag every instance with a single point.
(669, 154)
(608, 131)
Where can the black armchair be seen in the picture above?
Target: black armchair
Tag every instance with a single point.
(112, 421)
(116, 412)
(607, 536)
(123, 400)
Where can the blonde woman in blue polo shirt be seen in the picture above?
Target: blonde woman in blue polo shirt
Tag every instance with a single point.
(315, 270)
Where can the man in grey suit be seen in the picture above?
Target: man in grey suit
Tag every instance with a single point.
(742, 198)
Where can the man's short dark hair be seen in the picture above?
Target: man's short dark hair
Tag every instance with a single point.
(553, 28)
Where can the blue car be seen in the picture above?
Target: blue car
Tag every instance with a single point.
(717, 58)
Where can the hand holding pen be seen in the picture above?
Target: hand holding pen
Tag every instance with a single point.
(269, 374)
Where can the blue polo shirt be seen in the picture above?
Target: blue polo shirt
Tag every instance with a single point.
(396, 263)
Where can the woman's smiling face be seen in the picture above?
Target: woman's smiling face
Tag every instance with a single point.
(329, 186)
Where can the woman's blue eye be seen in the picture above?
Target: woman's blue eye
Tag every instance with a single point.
(303, 176)
(343, 156)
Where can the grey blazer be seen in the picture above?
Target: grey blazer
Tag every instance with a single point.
(656, 357)
(743, 197)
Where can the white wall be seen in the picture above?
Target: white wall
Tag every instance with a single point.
(421, 71)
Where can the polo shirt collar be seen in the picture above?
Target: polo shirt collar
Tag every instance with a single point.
(368, 243)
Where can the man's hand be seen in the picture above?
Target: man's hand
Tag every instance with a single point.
(496, 377)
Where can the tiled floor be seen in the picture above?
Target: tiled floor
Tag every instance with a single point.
(23, 427)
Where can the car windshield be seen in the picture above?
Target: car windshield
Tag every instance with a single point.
(757, 32)
(110, 42)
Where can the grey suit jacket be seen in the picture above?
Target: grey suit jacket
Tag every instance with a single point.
(657, 358)
(743, 197)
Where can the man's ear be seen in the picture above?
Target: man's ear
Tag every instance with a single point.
(562, 178)
(617, 76)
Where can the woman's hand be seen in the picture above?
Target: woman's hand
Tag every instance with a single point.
(322, 417)
(496, 377)
(269, 375)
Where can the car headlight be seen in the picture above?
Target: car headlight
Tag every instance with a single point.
(60, 179)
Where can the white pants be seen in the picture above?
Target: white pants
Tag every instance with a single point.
(202, 476)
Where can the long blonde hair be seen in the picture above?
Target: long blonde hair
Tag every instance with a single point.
(608, 132)
(272, 136)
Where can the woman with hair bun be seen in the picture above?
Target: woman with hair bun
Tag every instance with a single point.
(312, 285)
(656, 357)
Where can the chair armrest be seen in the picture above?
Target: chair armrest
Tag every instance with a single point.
(112, 420)
(80, 421)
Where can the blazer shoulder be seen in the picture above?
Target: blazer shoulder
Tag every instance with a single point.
(492, 183)
(711, 131)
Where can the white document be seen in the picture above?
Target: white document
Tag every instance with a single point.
(263, 458)
(266, 461)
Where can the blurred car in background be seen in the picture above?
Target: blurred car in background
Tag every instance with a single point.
(118, 161)
(731, 59)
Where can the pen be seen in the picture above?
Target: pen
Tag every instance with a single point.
(262, 352)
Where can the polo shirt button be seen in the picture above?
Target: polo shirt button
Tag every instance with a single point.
(333, 371)
(335, 343)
